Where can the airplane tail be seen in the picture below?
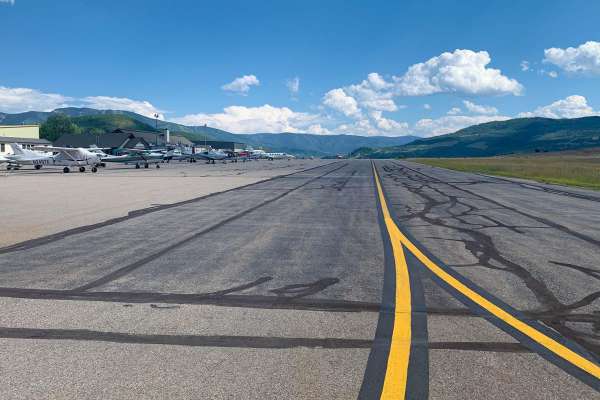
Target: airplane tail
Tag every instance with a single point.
(17, 149)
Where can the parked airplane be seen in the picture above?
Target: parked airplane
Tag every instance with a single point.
(278, 156)
(65, 156)
(140, 157)
(211, 156)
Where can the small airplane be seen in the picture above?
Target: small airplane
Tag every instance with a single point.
(66, 157)
(211, 156)
(278, 156)
(139, 158)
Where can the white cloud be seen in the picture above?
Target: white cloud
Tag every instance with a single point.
(388, 126)
(293, 85)
(373, 93)
(454, 111)
(426, 106)
(553, 74)
(122, 103)
(266, 118)
(480, 109)
(242, 84)
(582, 59)
(524, 65)
(317, 129)
(361, 127)
(433, 127)
(571, 107)
(463, 71)
(15, 100)
(338, 100)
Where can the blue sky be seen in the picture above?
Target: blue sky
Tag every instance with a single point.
(370, 68)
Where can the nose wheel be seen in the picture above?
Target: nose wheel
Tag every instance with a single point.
(66, 170)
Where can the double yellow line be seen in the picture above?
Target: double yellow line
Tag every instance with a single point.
(394, 386)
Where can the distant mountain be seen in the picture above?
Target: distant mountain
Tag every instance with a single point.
(295, 143)
(321, 145)
(521, 135)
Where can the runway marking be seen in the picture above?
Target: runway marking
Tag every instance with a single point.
(537, 336)
(394, 386)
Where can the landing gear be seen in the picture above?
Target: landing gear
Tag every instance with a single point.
(37, 166)
(146, 165)
(81, 169)
(94, 169)
(8, 167)
(157, 165)
(137, 166)
(66, 170)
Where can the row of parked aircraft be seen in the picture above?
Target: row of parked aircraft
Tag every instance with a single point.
(95, 157)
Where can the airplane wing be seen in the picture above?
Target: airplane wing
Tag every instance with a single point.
(68, 152)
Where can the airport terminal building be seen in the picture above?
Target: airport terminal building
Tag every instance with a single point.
(27, 136)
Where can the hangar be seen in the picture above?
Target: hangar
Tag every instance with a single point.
(222, 145)
(122, 139)
(27, 136)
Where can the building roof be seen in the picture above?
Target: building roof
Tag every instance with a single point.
(219, 144)
(149, 137)
(10, 139)
(181, 140)
(110, 140)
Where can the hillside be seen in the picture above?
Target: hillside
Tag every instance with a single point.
(521, 135)
(108, 123)
(321, 145)
(295, 143)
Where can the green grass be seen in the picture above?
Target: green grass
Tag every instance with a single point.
(581, 170)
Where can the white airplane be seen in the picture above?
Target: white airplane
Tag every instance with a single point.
(65, 156)
(140, 157)
(211, 156)
(278, 156)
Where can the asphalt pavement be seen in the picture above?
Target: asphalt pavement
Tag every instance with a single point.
(298, 286)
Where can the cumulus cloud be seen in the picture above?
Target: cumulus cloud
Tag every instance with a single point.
(479, 109)
(388, 126)
(141, 107)
(266, 118)
(570, 107)
(293, 86)
(241, 85)
(338, 100)
(14, 100)
(454, 111)
(317, 129)
(373, 93)
(524, 65)
(463, 71)
(433, 127)
(582, 59)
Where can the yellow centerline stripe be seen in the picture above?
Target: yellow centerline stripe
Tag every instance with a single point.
(394, 384)
(546, 341)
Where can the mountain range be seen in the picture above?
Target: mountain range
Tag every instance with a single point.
(293, 143)
(520, 135)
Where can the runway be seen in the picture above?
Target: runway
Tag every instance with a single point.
(297, 286)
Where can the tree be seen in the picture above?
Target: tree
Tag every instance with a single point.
(57, 125)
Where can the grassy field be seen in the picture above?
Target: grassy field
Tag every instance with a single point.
(570, 168)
